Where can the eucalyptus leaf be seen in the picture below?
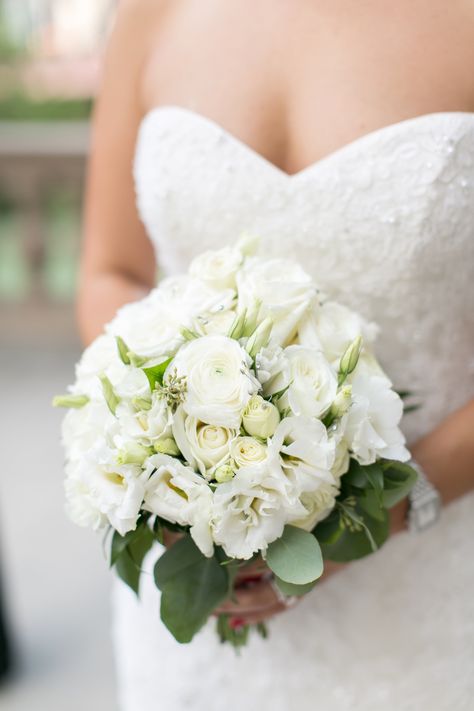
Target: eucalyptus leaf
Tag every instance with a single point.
(291, 589)
(128, 553)
(352, 545)
(192, 587)
(155, 373)
(295, 557)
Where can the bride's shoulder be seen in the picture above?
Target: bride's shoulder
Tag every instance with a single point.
(137, 18)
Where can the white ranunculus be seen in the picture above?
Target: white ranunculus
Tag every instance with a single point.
(260, 418)
(152, 327)
(372, 428)
(246, 451)
(205, 447)
(217, 268)
(97, 484)
(249, 512)
(176, 493)
(285, 290)
(310, 381)
(331, 327)
(302, 449)
(219, 380)
(318, 505)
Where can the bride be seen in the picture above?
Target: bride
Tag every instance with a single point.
(343, 135)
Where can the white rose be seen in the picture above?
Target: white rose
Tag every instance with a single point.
(332, 327)
(249, 512)
(176, 493)
(318, 505)
(205, 447)
(100, 489)
(217, 268)
(310, 381)
(260, 418)
(372, 428)
(246, 451)
(214, 323)
(219, 381)
(152, 327)
(305, 453)
(285, 290)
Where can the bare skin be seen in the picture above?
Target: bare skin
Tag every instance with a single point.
(295, 80)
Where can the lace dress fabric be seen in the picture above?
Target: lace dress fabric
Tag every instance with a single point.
(386, 225)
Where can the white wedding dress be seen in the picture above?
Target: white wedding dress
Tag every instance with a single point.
(385, 224)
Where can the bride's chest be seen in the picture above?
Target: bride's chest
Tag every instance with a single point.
(402, 194)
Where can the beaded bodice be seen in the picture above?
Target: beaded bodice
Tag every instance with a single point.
(385, 224)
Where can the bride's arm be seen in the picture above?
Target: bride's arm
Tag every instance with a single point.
(117, 260)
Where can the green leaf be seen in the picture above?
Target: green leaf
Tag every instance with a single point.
(128, 553)
(330, 529)
(356, 476)
(291, 589)
(192, 587)
(399, 479)
(295, 557)
(352, 545)
(123, 350)
(109, 394)
(371, 503)
(155, 373)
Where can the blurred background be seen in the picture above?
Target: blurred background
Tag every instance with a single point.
(55, 651)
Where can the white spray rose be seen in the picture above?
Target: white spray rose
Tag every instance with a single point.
(98, 482)
(217, 268)
(179, 495)
(260, 418)
(246, 451)
(284, 289)
(152, 327)
(249, 512)
(205, 447)
(310, 381)
(372, 428)
(331, 327)
(219, 381)
(302, 449)
(145, 425)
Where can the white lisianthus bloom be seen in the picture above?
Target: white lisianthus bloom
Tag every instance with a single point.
(86, 427)
(127, 381)
(176, 493)
(318, 504)
(284, 289)
(147, 426)
(95, 360)
(152, 327)
(260, 418)
(331, 327)
(372, 429)
(304, 452)
(249, 511)
(271, 363)
(310, 382)
(341, 460)
(81, 505)
(214, 323)
(217, 268)
(246, 451)
(218, 377)
(205, 447)
(98, 483)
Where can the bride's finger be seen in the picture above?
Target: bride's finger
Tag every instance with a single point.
(248, 600)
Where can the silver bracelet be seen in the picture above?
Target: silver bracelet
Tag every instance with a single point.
(424, 502)
(285, 600)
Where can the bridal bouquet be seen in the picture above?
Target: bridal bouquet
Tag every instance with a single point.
(240, 408)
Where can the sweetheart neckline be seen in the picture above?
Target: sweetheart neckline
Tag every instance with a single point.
(366, 137)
